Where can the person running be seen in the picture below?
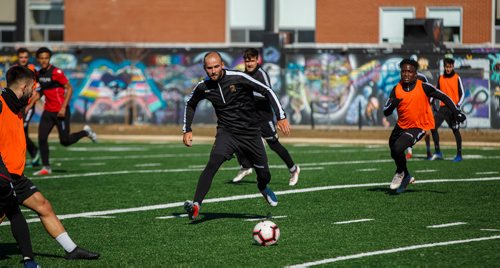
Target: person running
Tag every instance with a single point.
(23, 56)
(238, 129)
(27, 193)
(411, 99)
(451, 84)
(266, 119)
(20, 81)
(57, 91)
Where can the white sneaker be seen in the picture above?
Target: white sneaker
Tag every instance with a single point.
(90, 133)
(294, 176)
(242, 173)
(43, 172)
(396, 180)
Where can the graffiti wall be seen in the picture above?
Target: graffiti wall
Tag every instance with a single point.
(320, 86)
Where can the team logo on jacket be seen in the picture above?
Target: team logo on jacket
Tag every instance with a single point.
(232, 88)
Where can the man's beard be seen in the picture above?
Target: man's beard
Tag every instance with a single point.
(24, 99)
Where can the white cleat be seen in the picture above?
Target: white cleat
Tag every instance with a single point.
(396, 180)
(242, 173)
(90, 133)
(294, 176)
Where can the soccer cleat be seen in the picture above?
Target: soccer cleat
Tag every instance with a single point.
(192, 208)
(90, 133)
(429, 155)
(408, 179)
(2, 216)
(270, 197)
(30, 263)
(396, 180)
(294, 176)
(44, 171)
(81, 254)
(242, 173)
(457, 158)
(35, 162)
(437, 156)
(409, 153)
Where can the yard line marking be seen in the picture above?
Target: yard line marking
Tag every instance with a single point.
(260, 219)
(92, 164)
(446, 225)
(490, 230)
(100, 217)
(487, 172)
(107, 149)
(248, 196)
(394, 250)
(172, 217)
(425, 170)
(148, 165)
(352, 221)
(367, 169)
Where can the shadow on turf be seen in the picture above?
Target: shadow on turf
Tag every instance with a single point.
(9, 249)
(240, 182)
(393, 192)
(203, 217)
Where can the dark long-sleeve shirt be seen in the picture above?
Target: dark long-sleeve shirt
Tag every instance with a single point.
(233, 101)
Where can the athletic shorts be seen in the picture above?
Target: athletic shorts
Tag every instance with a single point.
(252, 147)
(416, 134)
(23, 187)
(445, 114)
(266, 119)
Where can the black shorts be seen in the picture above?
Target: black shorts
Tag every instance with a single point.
(445, 114)
(414, 135)
(252, 147)
(23, 187)
(266, 119)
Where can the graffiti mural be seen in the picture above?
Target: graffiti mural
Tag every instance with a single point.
(315, 86)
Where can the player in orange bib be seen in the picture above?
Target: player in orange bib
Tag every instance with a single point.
(411, 99)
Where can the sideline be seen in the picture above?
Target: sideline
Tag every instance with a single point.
(248, 196)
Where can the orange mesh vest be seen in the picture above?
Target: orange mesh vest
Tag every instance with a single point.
(449, 86)
(414, 110)
(12, 140)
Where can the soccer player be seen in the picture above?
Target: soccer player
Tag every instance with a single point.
(238, 129)
(23, 56)
(411, 99)
(451, 84)
(57, 91)
(266, 119)
(13, 150)
(20, 81)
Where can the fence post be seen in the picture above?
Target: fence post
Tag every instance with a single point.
(312, 114)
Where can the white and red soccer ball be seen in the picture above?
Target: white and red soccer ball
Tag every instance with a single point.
(266, 233)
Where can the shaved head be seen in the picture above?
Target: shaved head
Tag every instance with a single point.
(212, 63)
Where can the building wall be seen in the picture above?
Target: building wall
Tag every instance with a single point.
(358, 21)
(188, 21)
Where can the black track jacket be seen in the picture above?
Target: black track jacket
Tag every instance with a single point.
(233, 101)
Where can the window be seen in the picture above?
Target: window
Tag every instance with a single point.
(45, 20)
(392, 23)
(247, 19)
(7, 34)
(452, 22)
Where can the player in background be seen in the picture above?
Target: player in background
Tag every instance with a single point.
(20, 81)
(266, 119)
(238, 129)
(411, 99)
(451, 84)
(23, 56)
(57, 91)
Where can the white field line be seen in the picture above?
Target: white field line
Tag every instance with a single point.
(487, 172)
(101, 217)
(446, 225)
(173, 217)
(262, 219)
(248, 196)
(367, 169)
(92, 164)
(425, 170)
(394, 250)
(148, 165)
(491, 230)
(352, 221)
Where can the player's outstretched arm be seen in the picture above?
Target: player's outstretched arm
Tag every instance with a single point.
(187, 138)
(284, 126)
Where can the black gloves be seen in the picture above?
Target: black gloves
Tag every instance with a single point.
(459, 116)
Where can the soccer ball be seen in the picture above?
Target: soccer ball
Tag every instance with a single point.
(266, 233)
